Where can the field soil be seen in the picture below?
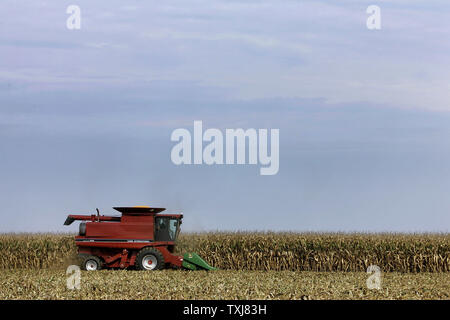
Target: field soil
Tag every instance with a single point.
(222, 284)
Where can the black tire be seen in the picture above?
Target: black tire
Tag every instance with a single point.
(91, 263)
(142, 259)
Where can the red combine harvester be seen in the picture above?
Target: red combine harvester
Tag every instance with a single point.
(141, 237)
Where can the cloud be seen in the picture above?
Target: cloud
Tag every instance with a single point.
(255, 49)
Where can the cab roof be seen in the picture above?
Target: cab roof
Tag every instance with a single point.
(141, 210)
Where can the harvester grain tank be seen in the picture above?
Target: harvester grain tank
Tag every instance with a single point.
(140, 237)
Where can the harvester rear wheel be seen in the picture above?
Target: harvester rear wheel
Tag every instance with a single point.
(91, 263)
(150, 259)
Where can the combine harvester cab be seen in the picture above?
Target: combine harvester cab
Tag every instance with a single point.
(140, 237)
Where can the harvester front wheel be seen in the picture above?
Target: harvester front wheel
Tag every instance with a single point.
(91, 263)
(150, 259)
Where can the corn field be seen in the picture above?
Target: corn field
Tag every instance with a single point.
(261, 251)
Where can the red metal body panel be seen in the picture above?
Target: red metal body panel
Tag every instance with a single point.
(122, 230)
(117, 240)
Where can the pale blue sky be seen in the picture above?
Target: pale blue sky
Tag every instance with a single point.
(86, 115)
